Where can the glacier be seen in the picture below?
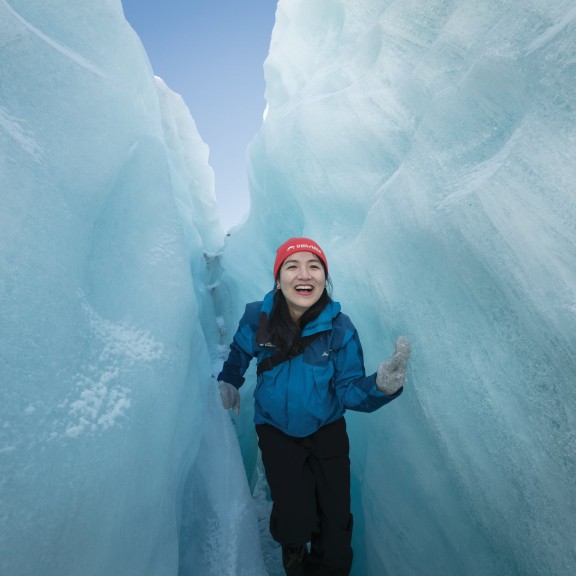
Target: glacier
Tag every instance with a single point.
(429, 147)
(110, 425)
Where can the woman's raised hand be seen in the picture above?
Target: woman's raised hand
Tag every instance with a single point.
(391, 374)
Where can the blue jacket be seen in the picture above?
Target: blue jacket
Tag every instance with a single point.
(313, 389)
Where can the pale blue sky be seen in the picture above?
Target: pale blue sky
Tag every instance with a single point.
(211, 52)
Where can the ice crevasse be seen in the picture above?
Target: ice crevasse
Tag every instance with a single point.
(429, 148)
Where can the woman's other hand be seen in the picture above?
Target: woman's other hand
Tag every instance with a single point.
(230, 397)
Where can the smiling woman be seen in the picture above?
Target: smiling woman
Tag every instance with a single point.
(310, 371)
(300, 276)
(302, 281)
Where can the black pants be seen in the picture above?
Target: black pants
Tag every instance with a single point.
(309, 480)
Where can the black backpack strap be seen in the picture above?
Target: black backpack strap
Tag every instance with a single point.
(279, 357)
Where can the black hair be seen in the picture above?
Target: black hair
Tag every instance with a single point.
(284, 332)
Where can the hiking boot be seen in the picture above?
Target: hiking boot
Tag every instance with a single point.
(293, 555)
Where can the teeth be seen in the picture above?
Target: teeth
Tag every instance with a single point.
(303, 288)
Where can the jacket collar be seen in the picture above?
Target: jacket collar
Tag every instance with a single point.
(322, 323)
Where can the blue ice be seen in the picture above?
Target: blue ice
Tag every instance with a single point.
(429, 147)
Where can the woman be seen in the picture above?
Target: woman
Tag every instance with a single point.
(310, 370)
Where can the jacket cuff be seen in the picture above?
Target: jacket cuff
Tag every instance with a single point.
(233, 379)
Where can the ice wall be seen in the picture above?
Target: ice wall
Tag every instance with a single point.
(116, 457)
(430, 147)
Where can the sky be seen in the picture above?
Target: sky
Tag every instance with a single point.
(211, 52)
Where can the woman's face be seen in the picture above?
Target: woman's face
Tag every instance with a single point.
(302, 281)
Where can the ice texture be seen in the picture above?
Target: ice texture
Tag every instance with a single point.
(116, 456)
(430, 148)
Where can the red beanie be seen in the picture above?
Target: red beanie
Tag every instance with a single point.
(298, 245)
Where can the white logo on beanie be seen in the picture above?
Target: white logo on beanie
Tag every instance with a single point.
(301, 246)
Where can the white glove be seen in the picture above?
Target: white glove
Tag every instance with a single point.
(391, 375)
(230, 397)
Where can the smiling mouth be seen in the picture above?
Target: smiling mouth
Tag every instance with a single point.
(304, 289)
